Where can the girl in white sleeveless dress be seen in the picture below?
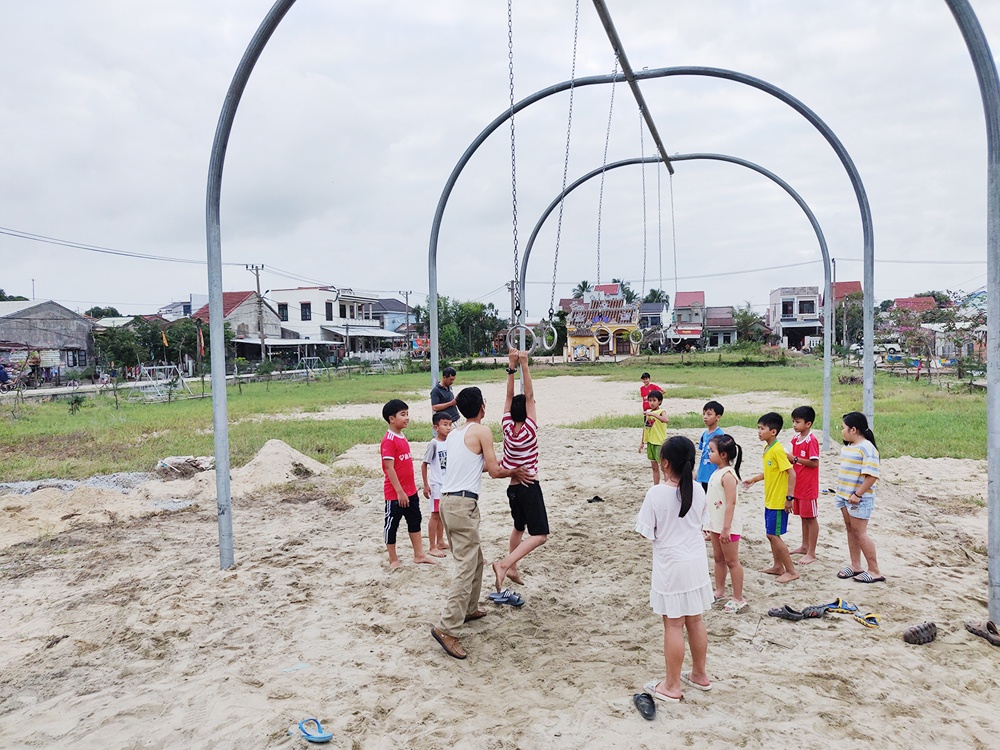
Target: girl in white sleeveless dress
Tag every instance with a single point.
(723, 519)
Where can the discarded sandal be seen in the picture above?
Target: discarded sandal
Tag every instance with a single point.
(786, 613)
(866, 577)
(842, 606)
(644, 705)
(318, 736)
(815, 611)
(870, 620)
(985, 629)
(507, 596)
(847, 572)
(918, 635)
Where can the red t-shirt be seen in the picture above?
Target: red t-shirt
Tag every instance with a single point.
(645, 390)
(397, 447)
(806, 479)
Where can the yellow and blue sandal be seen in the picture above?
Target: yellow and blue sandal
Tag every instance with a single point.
(842, 606)
(870, 620)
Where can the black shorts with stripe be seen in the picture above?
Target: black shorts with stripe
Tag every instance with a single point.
(527, 508)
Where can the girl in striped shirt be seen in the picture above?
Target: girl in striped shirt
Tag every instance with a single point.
(859, 470)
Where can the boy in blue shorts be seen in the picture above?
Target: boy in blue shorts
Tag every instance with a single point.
(779, 484)
(710, 414)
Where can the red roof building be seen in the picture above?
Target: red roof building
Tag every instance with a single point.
(915, 304)
(843, 288)
(230, 301)
(689, 299)
(609, 290)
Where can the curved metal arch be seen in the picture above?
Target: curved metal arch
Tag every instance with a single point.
(824, 251)
(757, 83)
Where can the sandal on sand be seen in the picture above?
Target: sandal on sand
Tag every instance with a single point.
(786, 613)
(871, 620)
(918, 635)
(847, 572)
(318, 736)
(816, 611)
(644, 705)
(866, 577)
(650, 687)
(842, 606)
(507, 596)
(985, 629)
(686, 679)
(734, 607)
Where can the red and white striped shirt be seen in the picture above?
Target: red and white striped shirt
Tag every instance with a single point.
(519, 449)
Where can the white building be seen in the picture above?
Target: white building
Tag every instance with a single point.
(340, 317)
(793, 316)
(183, 308)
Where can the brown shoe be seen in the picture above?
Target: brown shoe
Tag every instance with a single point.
(479, 614)
(449, 643)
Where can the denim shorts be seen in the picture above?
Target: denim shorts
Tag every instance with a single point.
(862, 510)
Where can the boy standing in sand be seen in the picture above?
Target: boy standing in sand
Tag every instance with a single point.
(805, 461)
(401, 499)
(710, 414)
(779, 483)
(520, 448)
(432, 471)
(645, 389)
(654, 432)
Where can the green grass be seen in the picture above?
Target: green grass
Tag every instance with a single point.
(41, 440)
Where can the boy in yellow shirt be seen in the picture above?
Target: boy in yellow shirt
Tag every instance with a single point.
(779, 484)
(654, 432)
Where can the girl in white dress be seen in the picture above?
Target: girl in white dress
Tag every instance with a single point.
(723, 520)
(681, 590)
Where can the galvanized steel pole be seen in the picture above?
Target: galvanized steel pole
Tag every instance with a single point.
(757, 83)
(824, 251)
(214, 239)
(989, 88)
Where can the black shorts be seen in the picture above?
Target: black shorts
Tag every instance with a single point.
(527, 508)
(394, 512)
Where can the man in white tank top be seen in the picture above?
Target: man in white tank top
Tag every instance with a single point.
(470, 452)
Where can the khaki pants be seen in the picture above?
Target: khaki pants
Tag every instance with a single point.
(460, 516)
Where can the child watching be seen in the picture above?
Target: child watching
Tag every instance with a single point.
(401, 499)
(859, 470)
(645, 389)
(436, 460)
(725, 522)
(654, 432)
(805, 461)
(520, 448)
(710, 414)
(779, 482)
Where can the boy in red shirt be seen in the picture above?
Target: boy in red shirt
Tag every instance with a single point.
(805, 461)
(647, 387)
(401, 499)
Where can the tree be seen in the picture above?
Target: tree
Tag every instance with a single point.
(657, 295)
(103, 312)
(749, 324)
(885, 305)
(4, 297)
(118, 345)
(628, 292)
(582, 288)
(851, 310)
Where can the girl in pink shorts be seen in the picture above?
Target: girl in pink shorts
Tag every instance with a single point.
(723, 520)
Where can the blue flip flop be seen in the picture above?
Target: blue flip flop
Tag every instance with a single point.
(507, 596)
(318, 736)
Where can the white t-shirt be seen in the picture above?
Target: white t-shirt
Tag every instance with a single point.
(436, 458)
(680, 564)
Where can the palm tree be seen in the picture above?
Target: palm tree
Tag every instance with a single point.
(657, 295)
(627, 291)
(582, 288)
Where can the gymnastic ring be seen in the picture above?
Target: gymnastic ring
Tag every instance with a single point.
(635, 336)
(548, 336)
(597, 337)
(514, 337)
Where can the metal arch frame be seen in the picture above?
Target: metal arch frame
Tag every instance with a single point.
(757, 83)
(827, 292)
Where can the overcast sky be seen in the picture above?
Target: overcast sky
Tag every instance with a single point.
(357, 112)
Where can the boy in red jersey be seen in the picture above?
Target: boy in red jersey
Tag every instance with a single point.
(647, 387)
(805, 460)
(401, 499)
(520, 448)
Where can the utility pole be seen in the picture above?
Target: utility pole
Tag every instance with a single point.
(406, 295)
(255, 270)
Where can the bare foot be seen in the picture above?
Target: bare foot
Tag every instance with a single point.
(425, 560)
(774, 571)
(436, 553)
(394, 564)
(513, 575)
(798, 551)
(444, 546)
(786, 577)
(807, 559)
(499, 573)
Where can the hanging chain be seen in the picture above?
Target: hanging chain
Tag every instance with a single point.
(516, 312)
(659, 227)
(642, 153)
(604, 168)
(569, 130)
(673, 231)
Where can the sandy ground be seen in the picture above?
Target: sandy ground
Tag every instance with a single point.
(121, 632)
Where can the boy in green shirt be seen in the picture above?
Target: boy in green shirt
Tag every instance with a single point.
(779, 484)
(654, 432)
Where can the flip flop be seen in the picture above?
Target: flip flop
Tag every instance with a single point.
(318, 736)
(918, 635)
(686, 679)
(842, 606)
(811, 612)
(786, 613)
(870, 620)
(848, 572)
(984, 629)
(650, 687)
(644, 705)
(734, 607)
(507, 596)
(866, 577)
